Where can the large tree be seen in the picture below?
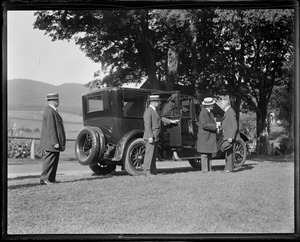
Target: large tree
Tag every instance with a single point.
(120, 38)
(243, 53)
(257, 44)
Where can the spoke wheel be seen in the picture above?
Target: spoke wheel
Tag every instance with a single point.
(134, 159)
(87, 146)
(240, 153)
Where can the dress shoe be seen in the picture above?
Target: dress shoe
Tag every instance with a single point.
(148, 174)
(46, 182)
(226, 171)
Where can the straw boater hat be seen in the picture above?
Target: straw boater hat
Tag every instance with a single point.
(208, 101)
(52, 96)
(154, 98)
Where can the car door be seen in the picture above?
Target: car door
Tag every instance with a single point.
(188, 121)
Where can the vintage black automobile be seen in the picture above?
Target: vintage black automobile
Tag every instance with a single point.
(113, 131)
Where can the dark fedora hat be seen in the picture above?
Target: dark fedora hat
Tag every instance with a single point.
(225, 145)
(52, 96)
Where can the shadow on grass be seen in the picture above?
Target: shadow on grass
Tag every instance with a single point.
(273, 158)
(27, 185)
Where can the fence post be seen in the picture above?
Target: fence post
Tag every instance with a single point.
(32, 149)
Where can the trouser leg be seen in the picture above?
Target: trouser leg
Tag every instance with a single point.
(153, 162)
(229, 163)
(150, 149)
(229, 159)
(204, 162)
(50, 164)
(209, 160)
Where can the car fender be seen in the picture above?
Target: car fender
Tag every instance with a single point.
(121, 146)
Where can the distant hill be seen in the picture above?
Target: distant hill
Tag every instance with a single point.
(29, 95)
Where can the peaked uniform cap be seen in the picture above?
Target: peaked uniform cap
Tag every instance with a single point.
(52, 96)
(208, 101)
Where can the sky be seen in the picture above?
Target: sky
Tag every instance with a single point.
(33, 55)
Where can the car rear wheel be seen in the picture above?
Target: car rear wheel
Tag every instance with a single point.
(134, 158)
(195, 163)
(87, 146)
(100, 168)
(240, 153)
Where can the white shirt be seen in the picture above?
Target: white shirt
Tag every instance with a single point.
(53, 107)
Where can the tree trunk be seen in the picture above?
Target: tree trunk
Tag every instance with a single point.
(263, 142)
(172, 77)
(148, 55)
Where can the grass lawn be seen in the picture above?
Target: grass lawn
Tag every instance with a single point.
(258, 198)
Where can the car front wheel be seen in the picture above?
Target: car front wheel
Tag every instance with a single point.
(134, 159)
(240, 153)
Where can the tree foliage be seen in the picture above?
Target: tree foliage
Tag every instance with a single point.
(245, 53)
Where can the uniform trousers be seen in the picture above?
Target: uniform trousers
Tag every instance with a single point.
(150, 157)
(50, 166)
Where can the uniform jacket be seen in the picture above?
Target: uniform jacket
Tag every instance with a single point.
(53, 131)
(229, 124)
(152, 123)
(207, 138)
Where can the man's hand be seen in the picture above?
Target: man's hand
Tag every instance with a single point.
(151, 140)
(230, 140)
(56, 146)
(175, 121)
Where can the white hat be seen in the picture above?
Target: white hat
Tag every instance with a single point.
(208, 101)
(52, 96)
(154, 98)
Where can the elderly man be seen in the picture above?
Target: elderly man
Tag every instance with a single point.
(152, 123)
(53, 139)
(207, 138)
(230, 131)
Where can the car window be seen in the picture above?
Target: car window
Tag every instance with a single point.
(134, 104)
(95, 103)
(185, 108)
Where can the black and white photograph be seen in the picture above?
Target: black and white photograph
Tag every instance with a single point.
(151, 120)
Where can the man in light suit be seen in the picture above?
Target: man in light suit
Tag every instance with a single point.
(230, 131)
(207, 137)
(53, 139)
(152, 124)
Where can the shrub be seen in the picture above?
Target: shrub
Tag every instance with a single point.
(18, 148)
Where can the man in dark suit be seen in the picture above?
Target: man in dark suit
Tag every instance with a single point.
(152, 124)
(53, 139)
(230, 130)
(207, 138)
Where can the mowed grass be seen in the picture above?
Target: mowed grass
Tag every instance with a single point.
(258, 198)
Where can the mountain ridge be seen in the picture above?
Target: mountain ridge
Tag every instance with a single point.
(26, 94)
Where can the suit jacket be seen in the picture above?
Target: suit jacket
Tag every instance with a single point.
(152, 123)
(207, 138)
(53, 131)
(229, 124)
